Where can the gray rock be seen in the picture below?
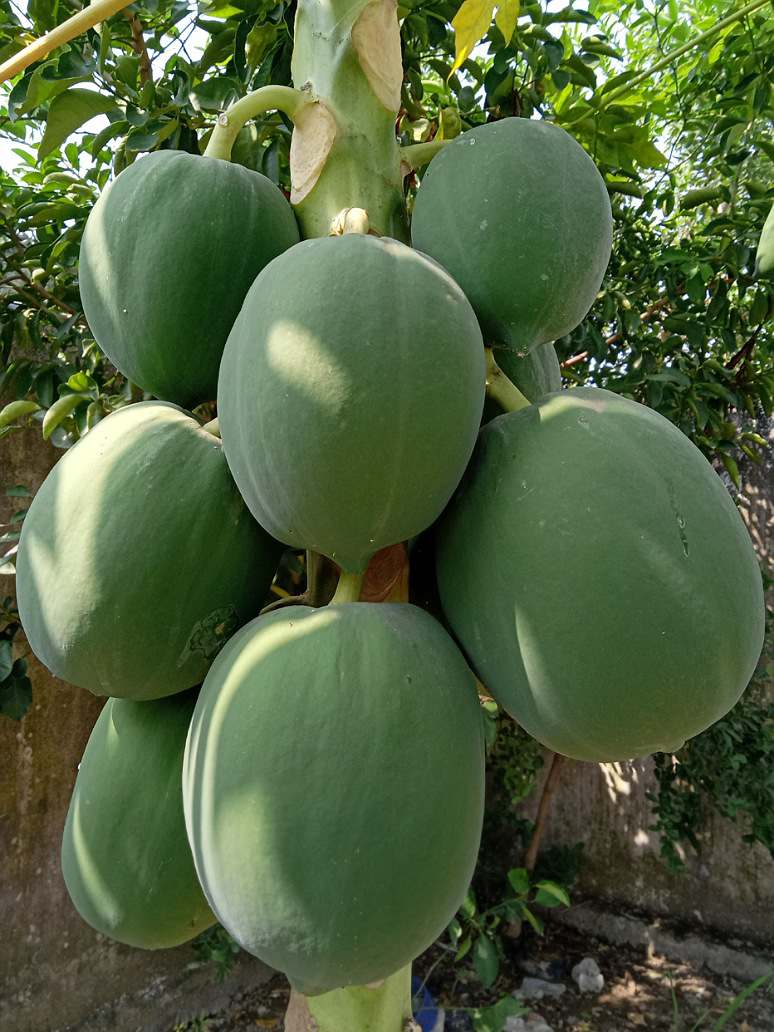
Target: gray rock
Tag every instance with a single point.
(588, 976)
(537, 988)
(534, 1023)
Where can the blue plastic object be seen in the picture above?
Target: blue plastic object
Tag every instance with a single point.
(425, 1007)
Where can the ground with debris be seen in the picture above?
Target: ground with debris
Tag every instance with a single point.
(639, 992)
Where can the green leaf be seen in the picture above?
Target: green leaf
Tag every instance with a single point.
(16, 698)
(60, 410)
(536, 923)
(552, 889)
(492, 1019)
(737, 1002)
(463, 948)
(519, 880)
(485, 960)
(731, 468)
(127, 70)
(454, 931)
(582, 70)
(257, 44)
(68, 112)
(81, 382)
(16, 410)
(469, 907)
(108, 133)
(18, 491)
(6, 659)
(648, 155)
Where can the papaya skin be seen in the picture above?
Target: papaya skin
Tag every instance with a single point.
(599, 577)
(168, 253)
(126, 860)
(350, 395)
(138, 557)
(519, 215)
(333, 789)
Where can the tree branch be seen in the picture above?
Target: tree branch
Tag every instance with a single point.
(651, 311)
(139, 47)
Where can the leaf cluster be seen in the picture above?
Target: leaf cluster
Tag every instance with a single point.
(476, 933)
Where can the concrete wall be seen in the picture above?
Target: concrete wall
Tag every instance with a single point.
(728, 887)
(55, 972)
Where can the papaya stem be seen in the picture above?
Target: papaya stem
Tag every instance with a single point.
(348, 588)
(419, 154)
(385, 1007)
(344, 151)
(500, 389)
(268, 98)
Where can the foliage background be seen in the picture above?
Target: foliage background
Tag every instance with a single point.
(680, 323)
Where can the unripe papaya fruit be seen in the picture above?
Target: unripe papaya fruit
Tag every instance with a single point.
(333, 789)
(125, 856)
(138, 557)
(520, 216)
(600, 578)
(536, 373)
(168, 254)
(350, 394)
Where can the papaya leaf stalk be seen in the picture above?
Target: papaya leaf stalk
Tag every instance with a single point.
(268, 98)
(420, 154)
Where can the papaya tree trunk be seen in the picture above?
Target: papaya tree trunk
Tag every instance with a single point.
(345, 155)
(385, 1007)
(344, 152)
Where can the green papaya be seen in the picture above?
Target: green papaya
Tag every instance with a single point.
(600, 578)
(764, 257)
(333, 789)
(535, 374)
(519, 215)
(168, 254)
(126, 860)
(138, 557)
(350, 394)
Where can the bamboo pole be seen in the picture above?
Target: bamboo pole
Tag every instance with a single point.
(99, 11)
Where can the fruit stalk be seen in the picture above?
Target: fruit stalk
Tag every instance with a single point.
(499, 387)
(348, 588)
(345, 152)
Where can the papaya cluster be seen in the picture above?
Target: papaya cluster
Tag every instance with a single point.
(313, 777)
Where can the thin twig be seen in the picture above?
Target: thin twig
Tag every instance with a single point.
(549, 787)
